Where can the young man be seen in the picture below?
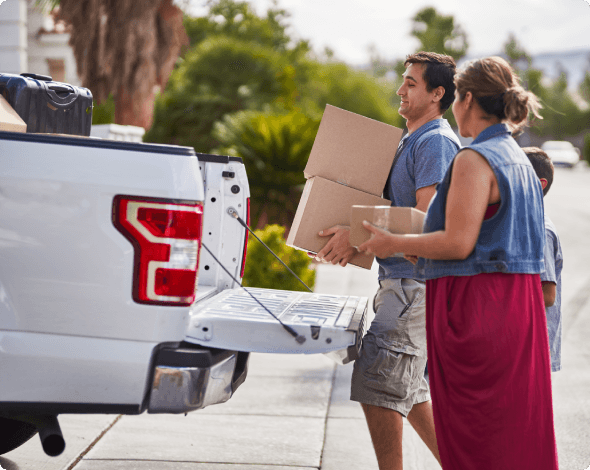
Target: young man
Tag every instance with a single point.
(388, 378)
(551, 278)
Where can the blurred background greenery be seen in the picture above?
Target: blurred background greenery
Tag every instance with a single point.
(240, 85)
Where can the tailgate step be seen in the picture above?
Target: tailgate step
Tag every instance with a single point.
(332, 324)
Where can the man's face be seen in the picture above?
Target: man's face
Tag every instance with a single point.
(416, 99)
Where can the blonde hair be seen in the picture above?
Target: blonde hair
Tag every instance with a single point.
(498, 91)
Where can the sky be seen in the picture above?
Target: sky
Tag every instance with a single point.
(351, 27)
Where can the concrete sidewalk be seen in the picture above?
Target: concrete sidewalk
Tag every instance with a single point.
(293, 412)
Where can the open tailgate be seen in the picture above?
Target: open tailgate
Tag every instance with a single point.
(331, 324)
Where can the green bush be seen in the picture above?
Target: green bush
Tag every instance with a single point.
(586, 149)
(263, 269)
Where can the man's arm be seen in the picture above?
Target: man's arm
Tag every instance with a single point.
(424, 196)
(548, 293)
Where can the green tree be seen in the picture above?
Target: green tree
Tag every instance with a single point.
(516, 54)
(263, 270)
(274, 148)
(357, 91)
(439, 33)
(221, 75)
(584, 88)
(236, 19)
(562, 116)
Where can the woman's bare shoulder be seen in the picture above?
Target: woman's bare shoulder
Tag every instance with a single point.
(469, 159)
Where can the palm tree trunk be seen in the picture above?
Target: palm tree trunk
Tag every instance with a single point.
(126, 48)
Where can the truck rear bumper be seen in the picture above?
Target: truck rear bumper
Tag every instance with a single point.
(188, 378)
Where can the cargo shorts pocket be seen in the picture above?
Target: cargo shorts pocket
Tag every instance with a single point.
(389, 371)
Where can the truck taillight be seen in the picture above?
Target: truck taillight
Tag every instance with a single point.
(166, 237)
(245, 238)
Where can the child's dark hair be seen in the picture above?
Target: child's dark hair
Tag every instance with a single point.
(541, 164)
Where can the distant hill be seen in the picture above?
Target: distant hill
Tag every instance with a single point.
(575, 63)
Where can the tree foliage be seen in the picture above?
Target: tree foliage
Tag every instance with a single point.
(562, 114)
(517, 56)
(439, 33)
(263, 269)
(274, 148)
(219, 76)
(246, 89)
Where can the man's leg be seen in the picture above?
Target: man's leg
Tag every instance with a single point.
(422, 420)
(386, 429)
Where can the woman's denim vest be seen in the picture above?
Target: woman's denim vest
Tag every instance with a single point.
(512, 240)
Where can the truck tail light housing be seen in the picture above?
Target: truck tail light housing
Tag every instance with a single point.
(166, 237)
(245, 238)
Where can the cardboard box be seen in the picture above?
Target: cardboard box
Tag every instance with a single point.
(394, 219)
(353, 150)
(9, 119)
(322, 205)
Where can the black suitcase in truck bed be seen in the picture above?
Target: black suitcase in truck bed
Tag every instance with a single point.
(47, 106)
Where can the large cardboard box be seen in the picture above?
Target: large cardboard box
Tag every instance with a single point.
(322, 205)
(394, 219)
(353, 150)
(9, 119)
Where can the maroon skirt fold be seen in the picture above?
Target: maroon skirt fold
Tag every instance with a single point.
(490, 375)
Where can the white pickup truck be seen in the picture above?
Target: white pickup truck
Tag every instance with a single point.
(100, 308)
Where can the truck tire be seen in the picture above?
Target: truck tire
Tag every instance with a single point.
(14, 433)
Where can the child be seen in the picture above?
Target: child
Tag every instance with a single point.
(551, 278)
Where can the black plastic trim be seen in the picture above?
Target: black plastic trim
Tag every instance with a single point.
(81, 141)
(10, 408)
(205, 157)
(190, 355)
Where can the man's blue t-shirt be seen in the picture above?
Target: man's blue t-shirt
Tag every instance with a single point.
(424, 156)
(552, 273)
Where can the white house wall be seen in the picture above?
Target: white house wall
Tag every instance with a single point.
(13, 36)
(45, 46)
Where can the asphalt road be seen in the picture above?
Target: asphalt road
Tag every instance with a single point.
(293, 412)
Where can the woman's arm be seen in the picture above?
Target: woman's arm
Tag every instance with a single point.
(473, 187)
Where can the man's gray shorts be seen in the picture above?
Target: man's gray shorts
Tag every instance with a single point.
(389, 371)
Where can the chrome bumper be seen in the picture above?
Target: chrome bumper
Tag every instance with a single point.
(190, 379)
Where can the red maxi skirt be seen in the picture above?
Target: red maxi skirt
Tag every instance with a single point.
(490, 376)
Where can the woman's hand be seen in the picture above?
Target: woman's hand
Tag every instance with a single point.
(381, 244)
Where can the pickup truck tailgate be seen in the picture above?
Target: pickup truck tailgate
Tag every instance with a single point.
(232, 319)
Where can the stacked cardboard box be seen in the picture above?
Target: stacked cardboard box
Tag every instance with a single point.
(348, 165)
(9, 120)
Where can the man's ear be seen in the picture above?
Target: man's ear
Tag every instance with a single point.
(544, 182)
(439, 92)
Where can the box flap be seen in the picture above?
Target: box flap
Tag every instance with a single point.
(10, 121)
(353, 150)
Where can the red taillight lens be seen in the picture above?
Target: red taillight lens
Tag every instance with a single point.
(245, 238)
(166, 237)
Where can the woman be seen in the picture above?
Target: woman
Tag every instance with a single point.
(481, 253)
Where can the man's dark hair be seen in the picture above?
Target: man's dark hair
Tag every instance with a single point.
(541, 164)
(438, 71)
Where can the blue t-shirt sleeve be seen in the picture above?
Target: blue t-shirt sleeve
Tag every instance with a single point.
(432, 158)
(549, 274)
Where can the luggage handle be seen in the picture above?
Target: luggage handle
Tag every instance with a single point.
(36, 76)
(58, 87)
(55, 99)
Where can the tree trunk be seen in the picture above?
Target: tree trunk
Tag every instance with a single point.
(125, 48)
